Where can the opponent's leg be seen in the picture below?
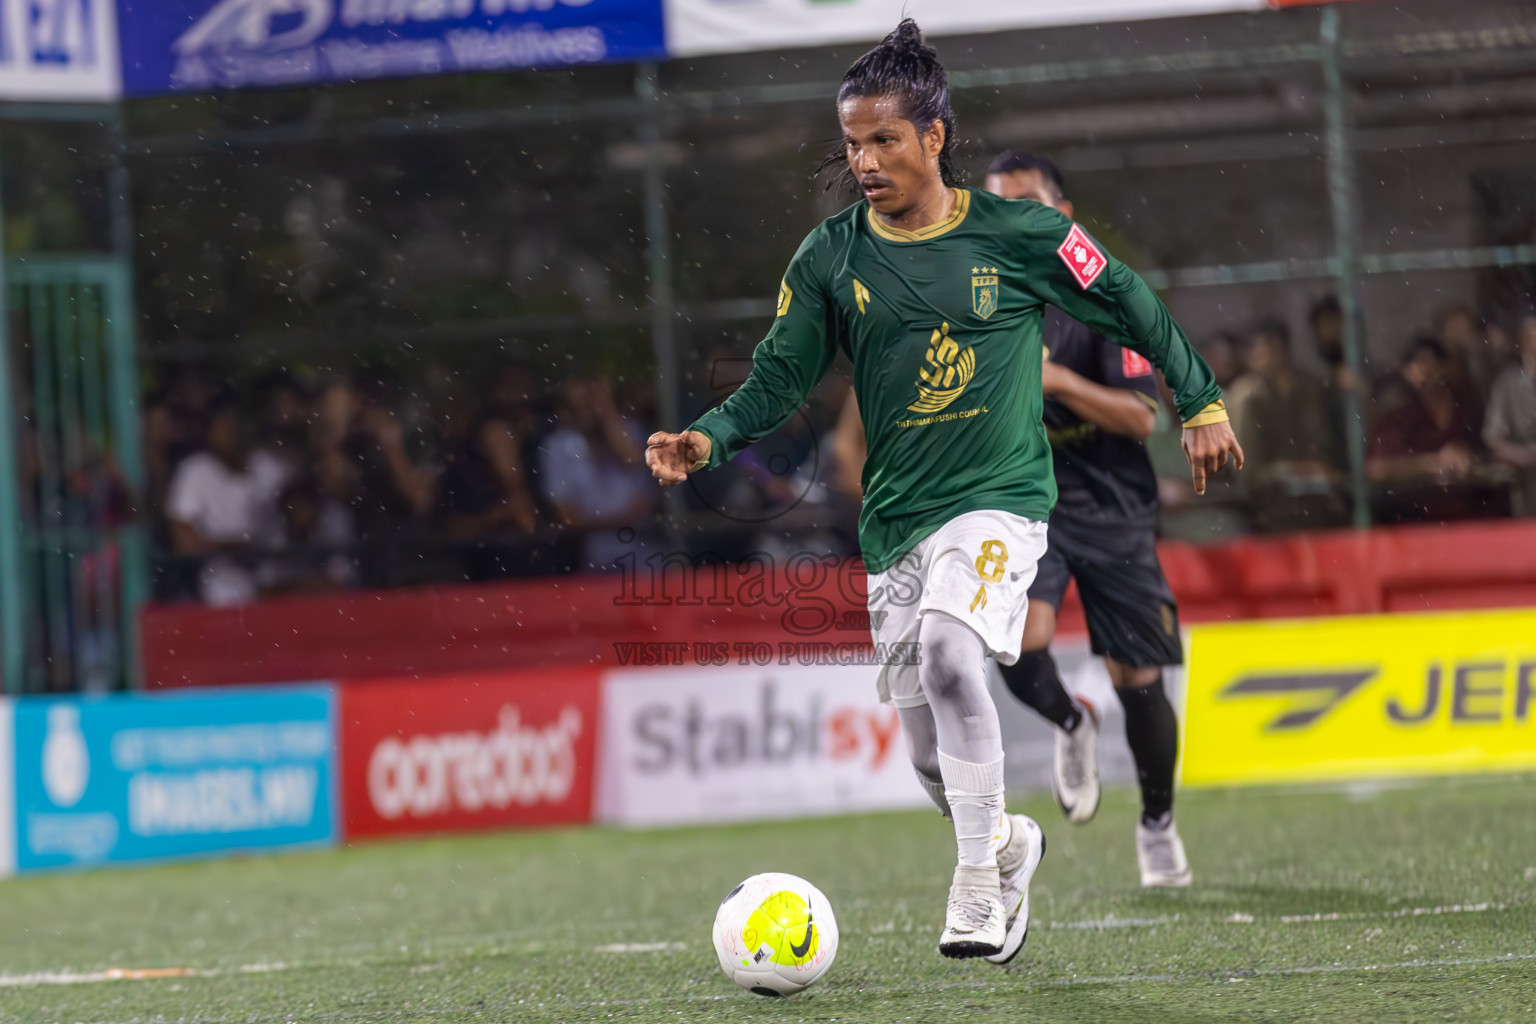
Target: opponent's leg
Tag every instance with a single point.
(1035, 680)
(1152, 731)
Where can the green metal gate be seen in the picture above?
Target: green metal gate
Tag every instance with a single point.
(72, 594)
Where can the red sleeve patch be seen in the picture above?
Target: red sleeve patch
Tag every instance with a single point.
(1082, 257)
(1134, 364)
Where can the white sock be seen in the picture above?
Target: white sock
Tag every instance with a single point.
(975, 795)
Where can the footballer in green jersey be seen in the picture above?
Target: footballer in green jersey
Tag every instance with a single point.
(935, 293)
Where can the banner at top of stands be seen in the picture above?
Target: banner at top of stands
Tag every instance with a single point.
(58, 50)
(195, 45)
(698, 27)
(99, 50)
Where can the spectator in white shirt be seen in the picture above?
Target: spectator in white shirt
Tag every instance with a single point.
(222, 508)
(592, 470)
(1510, 429)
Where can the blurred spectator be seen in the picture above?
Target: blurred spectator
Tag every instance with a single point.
(314, 548)
(1327, 321)
(484, 494)
(1326, 318)
(592, 470)
(1293, 451)
(174, 420)
(287, 411)
(221, 505)
(1420, 447)
(1224, 354)
(1470, 364)
(1241, 392)
(361, 460)
(1510, 430)
(1477, 353)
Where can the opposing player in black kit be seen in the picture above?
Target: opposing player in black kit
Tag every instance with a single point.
(1101, 403)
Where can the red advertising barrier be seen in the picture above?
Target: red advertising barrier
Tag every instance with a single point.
(619, 619)
(473, 751)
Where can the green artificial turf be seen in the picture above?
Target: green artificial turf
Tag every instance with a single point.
(1412, 903)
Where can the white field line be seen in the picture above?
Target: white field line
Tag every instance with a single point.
(1101, 924)
(1110, 921)
(1455, 908)
(1233, 975)
(139, 974)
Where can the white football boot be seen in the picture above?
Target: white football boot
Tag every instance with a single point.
(1016, 863)
(975, 923)
(1075, 782)
(1160, 853)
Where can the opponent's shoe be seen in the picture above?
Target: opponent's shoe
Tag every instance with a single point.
(975, 923)
(1016, 864)
(1160, 853)
(1075, 782)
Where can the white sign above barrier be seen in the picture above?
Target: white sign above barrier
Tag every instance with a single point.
(696, 744)
(59, 50)
(697, 27)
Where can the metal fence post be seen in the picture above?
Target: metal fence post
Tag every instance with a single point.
(124, 405)
(658, 265)
(13, 619)
(1341, 180)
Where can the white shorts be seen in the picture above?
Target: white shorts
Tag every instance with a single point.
(977, 567)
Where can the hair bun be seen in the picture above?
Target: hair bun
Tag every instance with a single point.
(907, 37)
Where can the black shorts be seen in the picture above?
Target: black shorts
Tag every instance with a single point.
(1132, 616)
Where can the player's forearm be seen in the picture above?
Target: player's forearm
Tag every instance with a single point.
(1147, 327)
(1115, 410)
(776, 387)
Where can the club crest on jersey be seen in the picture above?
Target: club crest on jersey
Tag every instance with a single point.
(946, 372)
(784, 296)
(984, 291)
(1082, 257)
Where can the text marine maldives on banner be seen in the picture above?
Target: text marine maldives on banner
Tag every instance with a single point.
(134, 778)
(473, 751)
(186, 45)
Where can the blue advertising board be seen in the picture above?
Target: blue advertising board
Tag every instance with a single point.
(191, 45)
(128, 778)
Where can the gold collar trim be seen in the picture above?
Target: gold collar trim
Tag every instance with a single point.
(962, 207)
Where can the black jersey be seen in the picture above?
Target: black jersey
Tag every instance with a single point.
(1099, 475)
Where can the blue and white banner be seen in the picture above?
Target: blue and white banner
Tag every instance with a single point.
(58, 50)
(187, 45)
(129, 778)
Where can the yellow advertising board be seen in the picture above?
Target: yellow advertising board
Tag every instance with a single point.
(1370, 697)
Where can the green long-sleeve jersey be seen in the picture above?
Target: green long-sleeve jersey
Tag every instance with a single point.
(942, 326)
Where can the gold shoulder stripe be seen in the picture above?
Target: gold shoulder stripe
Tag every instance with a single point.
(785, 294)
(962, 207)
(1216, 412)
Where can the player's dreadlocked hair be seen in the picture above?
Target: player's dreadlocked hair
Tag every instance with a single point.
(903, 67)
